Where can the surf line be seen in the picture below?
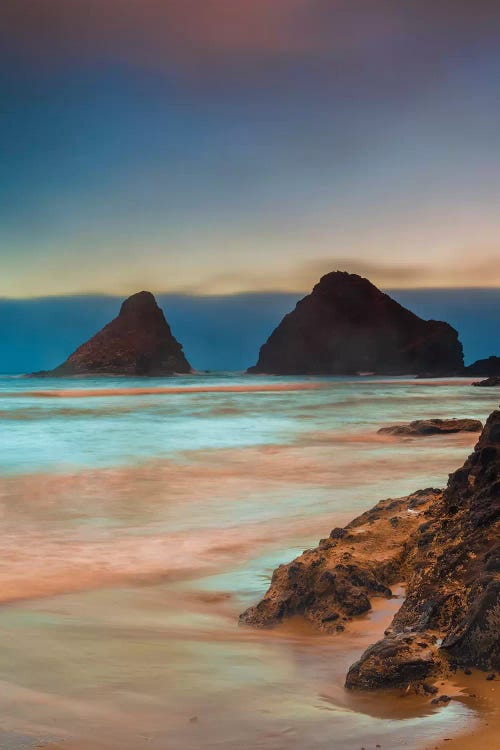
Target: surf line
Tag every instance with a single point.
(173, 390)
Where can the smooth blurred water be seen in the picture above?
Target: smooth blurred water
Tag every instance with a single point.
(57, 434)
(135, 528)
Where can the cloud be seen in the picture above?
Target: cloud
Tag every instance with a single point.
(457, 271)
(196, 35)
(468, 268)
(382, 274)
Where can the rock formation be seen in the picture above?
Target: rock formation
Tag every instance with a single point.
(335, 581)
(422, 427)
(347, 326)
(137, 342)
(484, 368)
(443, 544)
(494, 380)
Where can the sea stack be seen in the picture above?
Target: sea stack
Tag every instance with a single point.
(347, 326)
(485, 368)
(492, 382)
(137, 342)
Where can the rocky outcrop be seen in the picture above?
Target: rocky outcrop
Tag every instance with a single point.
(444, 545)
(451, 614)
(484, 368)
(423, 427)
(348, 326)
(489, 382)
(335, 581)
(137, 342)
(395, 661)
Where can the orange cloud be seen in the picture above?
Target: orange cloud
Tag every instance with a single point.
(460, 271)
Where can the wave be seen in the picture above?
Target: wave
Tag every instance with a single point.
(167, 518)
(169, 390)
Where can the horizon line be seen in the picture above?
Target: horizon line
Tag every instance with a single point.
(228, 295)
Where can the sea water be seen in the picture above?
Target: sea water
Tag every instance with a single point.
(140, 517)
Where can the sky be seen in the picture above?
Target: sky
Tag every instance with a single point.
(226, 147)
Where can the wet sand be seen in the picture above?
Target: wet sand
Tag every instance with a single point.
(485, 735)
(311, 650)
(297, 701)
(483, 697)
(479, 696)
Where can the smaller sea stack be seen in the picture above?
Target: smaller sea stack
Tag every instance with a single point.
(485, 368)
(491, 382)
(137, 342)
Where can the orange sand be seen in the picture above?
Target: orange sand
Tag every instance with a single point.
(484, 697)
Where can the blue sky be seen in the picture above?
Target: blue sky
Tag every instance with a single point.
(209, 147)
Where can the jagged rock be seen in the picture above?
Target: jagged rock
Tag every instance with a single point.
(347, 326)
(392, 662)
(444, 545)
(137, 342)
(476, 637)
(335, 581)
(489, 382)
(486, 368)
(422, 427)
(453, 591)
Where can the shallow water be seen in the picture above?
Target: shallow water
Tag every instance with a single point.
(137, 525)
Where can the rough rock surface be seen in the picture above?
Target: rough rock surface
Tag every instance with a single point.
(484, 367)
(489, 382)
(444, 545)
(395, 661)
(137, 342)
(347, 326)
(453, 593)
(422, 427)
(332, 583)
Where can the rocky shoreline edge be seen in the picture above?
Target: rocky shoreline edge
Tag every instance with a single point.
(443, 544)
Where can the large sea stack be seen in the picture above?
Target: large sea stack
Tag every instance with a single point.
(443, 544)
(137, 342)
(347, 326)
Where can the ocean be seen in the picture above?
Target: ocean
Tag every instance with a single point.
(140, 517)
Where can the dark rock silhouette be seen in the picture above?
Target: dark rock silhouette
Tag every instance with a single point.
(137, 342)
(485, 368)
(347, 326)
(444, 545)
(494, 380)
(422, 427)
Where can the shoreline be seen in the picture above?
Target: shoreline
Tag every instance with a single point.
(472, 691)
(370, 553)
(446, 552)
(483, 697)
